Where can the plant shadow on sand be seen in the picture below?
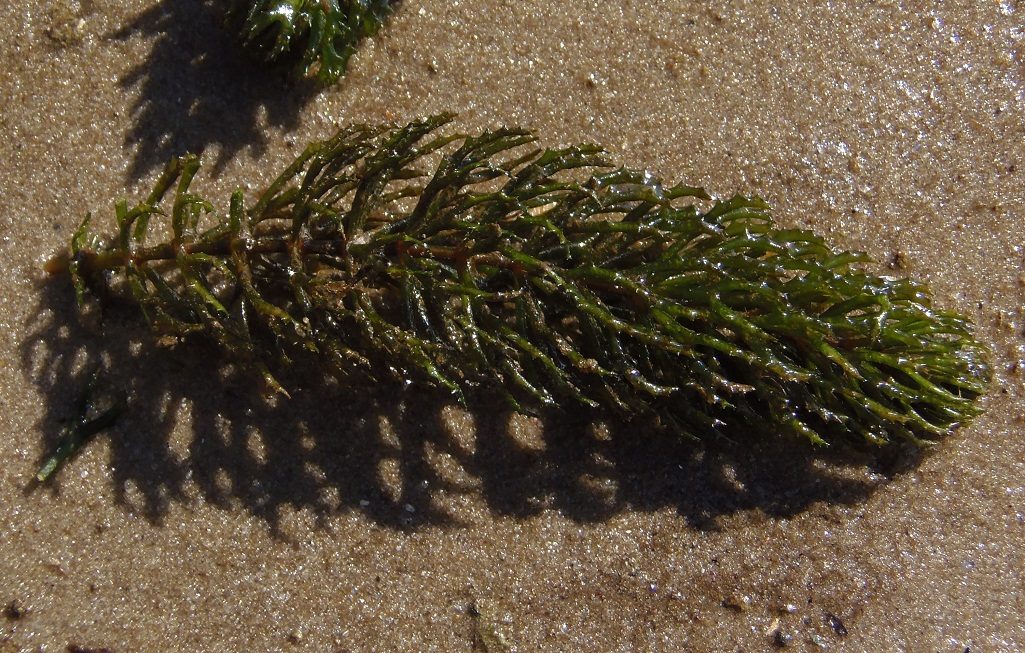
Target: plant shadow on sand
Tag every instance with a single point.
(197, 88)
(404, 457)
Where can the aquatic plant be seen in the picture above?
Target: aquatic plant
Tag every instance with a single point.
(312, 35)
(421, 255)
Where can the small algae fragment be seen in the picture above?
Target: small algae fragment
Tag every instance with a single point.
(316, 37)
(88, 420)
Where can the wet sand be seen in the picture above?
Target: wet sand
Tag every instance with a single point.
(211, 519)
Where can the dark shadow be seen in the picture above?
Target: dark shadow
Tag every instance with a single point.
(197, 88)
(391, 452)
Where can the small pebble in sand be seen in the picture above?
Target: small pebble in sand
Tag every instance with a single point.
(15, 609)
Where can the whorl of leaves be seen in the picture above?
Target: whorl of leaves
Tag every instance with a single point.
(318, 35)
(414, 253)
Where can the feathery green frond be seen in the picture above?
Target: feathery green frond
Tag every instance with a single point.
(314, 35)
(458, 261)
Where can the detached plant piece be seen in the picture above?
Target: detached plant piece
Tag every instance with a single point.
(88, 420)
(314, 35)
(432, 257)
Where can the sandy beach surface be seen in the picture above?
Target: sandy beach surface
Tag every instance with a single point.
(377, 519)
